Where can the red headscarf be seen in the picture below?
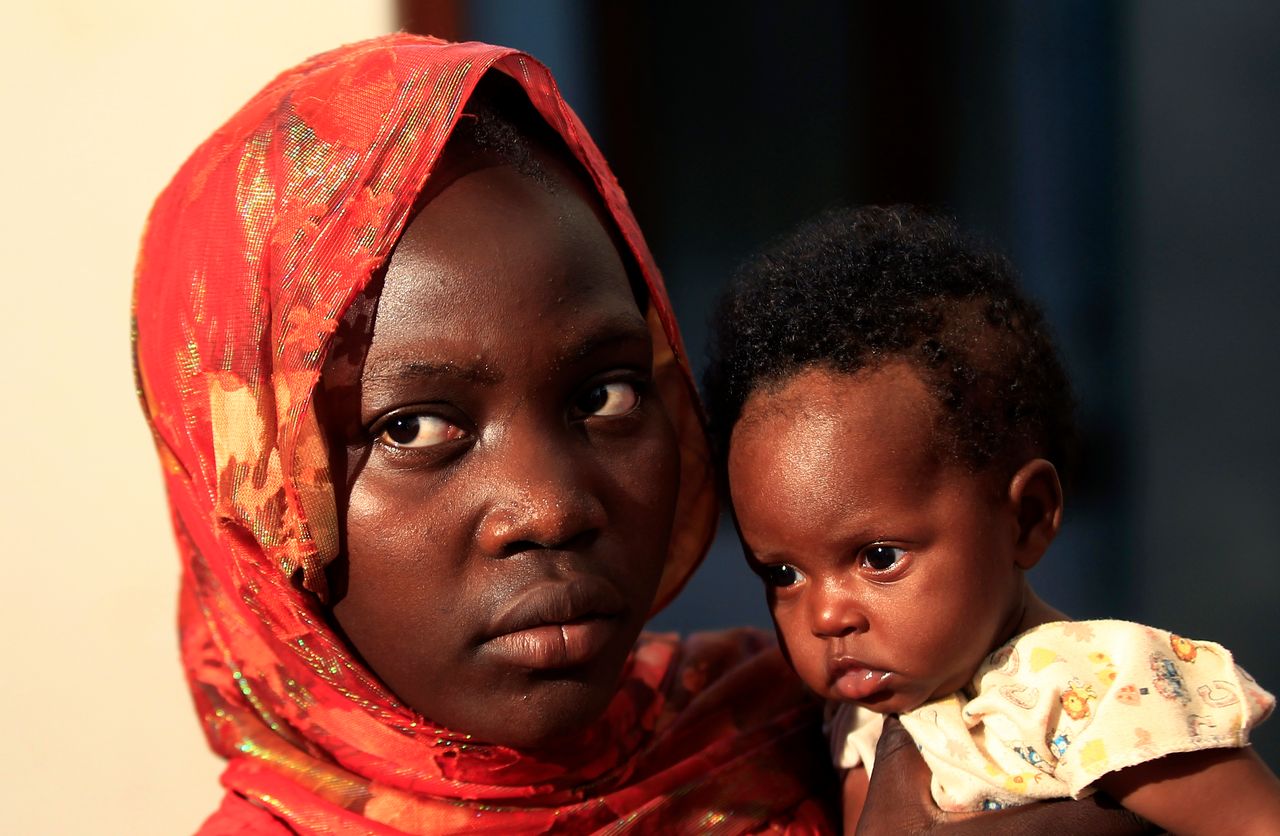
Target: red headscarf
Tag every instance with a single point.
(251, 256)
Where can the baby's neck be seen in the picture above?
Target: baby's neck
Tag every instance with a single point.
(1032, 613)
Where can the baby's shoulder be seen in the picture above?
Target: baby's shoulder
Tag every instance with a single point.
(1081, 665)
(1100, 644)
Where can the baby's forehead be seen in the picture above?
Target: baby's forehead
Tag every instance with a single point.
(883, 416)
(821, 442)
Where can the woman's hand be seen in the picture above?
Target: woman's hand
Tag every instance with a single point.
(898, 801)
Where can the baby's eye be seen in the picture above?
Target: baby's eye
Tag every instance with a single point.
(779, 574)
(417, 430)
(609, 399)
(882, 558)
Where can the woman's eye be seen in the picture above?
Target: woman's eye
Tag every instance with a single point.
(779, 574)
(882, 558)
(609, 399)
(416, 431)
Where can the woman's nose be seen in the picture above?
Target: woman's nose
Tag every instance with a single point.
(835, 609)
(541, 498)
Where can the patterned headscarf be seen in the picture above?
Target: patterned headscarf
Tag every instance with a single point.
(250, 259)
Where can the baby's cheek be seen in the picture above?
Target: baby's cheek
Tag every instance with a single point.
(803, 651)
(949, 654)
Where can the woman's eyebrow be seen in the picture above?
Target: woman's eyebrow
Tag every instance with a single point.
(610, 333)
(432, 370)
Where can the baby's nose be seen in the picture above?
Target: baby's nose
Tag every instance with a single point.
(835, 610)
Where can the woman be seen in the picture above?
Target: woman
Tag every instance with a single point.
(252, 256)
(433, 455)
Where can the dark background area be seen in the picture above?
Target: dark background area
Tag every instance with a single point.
(1125, 155)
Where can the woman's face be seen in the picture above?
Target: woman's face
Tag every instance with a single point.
(510, 477)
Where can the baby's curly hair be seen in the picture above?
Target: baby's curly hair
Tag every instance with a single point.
(857, 288)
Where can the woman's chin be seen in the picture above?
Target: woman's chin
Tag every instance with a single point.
(546, 713)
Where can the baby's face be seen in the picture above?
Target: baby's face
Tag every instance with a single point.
(890, 574)
(510, 477)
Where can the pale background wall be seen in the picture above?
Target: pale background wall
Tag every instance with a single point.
(101, 102)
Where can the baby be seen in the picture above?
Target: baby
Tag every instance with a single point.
(896, 427)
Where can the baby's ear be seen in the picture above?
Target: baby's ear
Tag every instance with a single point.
(1036, 496)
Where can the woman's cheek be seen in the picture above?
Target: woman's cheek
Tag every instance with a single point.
(664, 453)
(643, 467)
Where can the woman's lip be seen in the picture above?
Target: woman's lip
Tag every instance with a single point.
(853, 681)
(554, 646)
(556, 624)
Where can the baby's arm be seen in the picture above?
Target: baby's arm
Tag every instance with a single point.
(898, 801)
(853, 796)
(1210, 791)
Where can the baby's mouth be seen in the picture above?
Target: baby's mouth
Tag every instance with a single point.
(852, 681)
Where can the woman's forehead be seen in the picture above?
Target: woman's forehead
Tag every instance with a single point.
(495, 251)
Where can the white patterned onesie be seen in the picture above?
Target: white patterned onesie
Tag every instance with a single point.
(1063, 704)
